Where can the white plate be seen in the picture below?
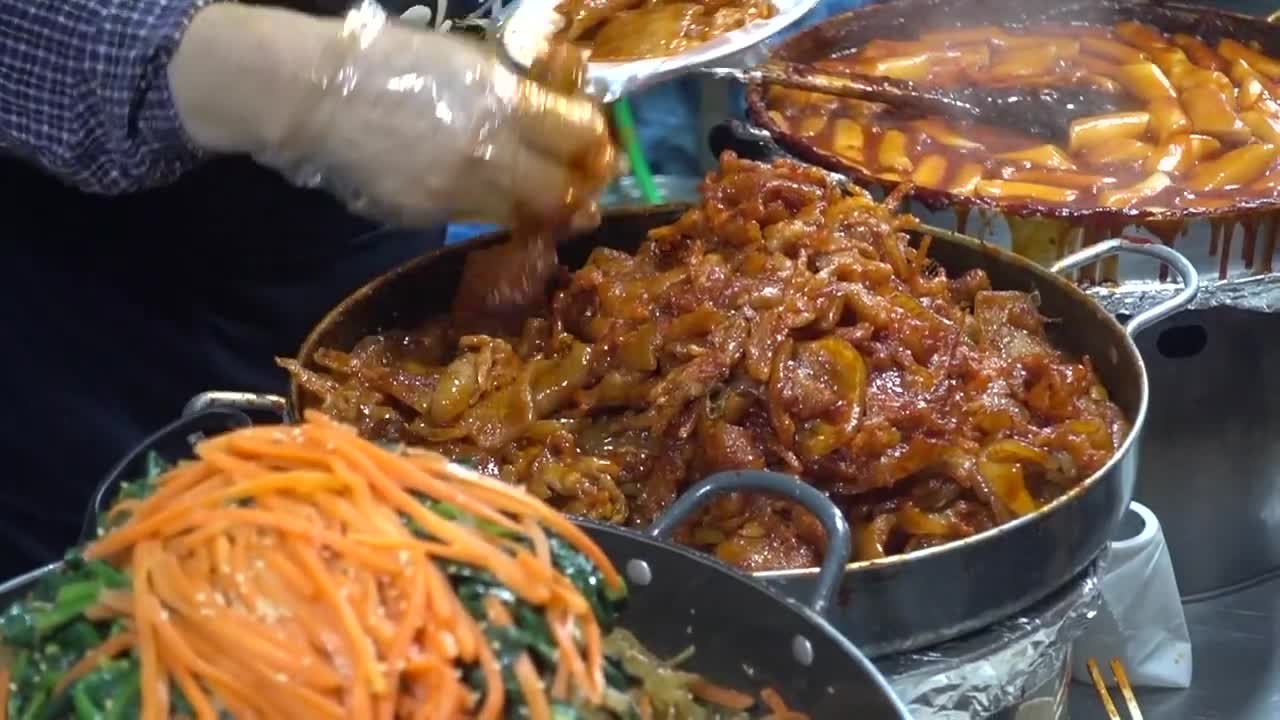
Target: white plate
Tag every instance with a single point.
(528, 23)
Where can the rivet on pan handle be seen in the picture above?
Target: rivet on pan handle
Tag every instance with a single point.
(172, 443)
(1182, 267)
(839, 538)
(246, 402)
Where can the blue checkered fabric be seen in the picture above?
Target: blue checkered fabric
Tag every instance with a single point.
(84, 92)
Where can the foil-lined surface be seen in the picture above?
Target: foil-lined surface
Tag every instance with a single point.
(1137, 283)
(1130, 284)
(1220, 248)
(1260, 293)
(996, 669)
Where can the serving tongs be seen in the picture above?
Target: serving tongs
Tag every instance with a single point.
(1046, 111)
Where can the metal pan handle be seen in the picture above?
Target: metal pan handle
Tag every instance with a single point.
(245, 402)
(1182, 267)
(839, 538)
(172, 443)
(747, 141)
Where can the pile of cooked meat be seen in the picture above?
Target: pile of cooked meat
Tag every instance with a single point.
(784, 322)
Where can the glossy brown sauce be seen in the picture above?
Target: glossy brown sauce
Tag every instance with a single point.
(1200, 133)
(1046, 240)
(780, 323)
(617, 30)
(504, 284)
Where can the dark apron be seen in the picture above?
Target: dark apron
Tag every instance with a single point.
(117, 310)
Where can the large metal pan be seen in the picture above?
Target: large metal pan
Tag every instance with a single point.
(904, 602)
(1200, 233)
(743, 633)
(842, 34)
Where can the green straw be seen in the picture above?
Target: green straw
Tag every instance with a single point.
(631, 142)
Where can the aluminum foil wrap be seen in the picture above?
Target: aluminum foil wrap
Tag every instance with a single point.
(981, 675)
(1260, 293)
(1243, 278)
(1236, 260)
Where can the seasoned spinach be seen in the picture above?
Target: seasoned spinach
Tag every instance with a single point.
(48, 633)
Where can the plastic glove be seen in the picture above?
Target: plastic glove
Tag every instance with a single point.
(406, 126)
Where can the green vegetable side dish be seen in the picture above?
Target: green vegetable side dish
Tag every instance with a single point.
(45, 634)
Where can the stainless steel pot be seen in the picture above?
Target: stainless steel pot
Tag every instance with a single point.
(1211, 461)
(903, 602)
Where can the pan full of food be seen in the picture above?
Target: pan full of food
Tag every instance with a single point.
(971, 413)
(1092, 116)
(633, 44)
(274, 571)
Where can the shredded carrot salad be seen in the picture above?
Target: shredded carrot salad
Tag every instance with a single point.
(289, 572)
(304, 572)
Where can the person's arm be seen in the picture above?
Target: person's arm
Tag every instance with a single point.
(406, 126)
(84, 91)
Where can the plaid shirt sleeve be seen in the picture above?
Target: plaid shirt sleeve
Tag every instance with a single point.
(84, 91)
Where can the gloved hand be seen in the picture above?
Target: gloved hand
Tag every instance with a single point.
(406, 126)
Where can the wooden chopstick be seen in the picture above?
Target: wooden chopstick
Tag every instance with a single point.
(1122, 681)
